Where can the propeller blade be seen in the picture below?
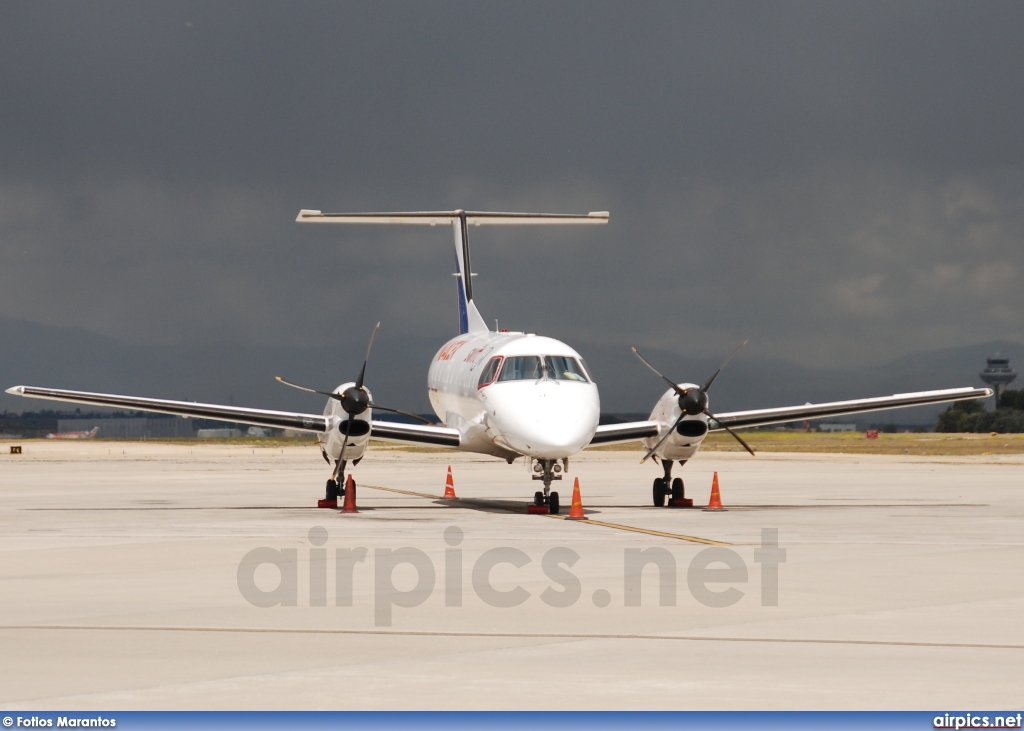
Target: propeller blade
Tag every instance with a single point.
(706, 386)
(362, 373)
(399, 411)
(665, 436)
(671, 383)
(735, 436)
(337, 396)
(341, 397)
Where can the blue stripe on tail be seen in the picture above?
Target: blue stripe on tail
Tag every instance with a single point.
(463, 313)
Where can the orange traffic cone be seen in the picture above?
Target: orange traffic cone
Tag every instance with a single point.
(715, 503)
(576, 510)
(350, 496)
(449, 486)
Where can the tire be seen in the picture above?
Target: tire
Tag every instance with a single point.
(553, 504)
(538, 498)
(659, 493)
(332, 490)
(677, 488)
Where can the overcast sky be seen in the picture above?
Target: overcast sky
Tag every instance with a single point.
(840, 182)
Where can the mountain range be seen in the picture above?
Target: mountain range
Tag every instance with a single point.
(243, 374)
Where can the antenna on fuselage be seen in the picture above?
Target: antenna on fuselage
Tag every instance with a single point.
(470, 319)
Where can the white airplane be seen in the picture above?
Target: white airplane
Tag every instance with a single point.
(506, 394)
(75, 434)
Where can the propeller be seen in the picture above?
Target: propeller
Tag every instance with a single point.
(692, 401)
(347, 399)
(354, 399)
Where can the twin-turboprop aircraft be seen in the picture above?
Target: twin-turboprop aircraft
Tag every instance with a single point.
(506, 394)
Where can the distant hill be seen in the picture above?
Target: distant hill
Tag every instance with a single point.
(229, 372)
(754, 382)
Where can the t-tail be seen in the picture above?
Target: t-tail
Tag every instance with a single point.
(470, 319)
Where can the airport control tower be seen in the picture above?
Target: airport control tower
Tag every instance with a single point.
(998, 374)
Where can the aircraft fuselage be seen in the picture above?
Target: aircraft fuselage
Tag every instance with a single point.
(512, 394)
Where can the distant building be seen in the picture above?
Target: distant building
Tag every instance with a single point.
(837, 427)
(131, 428)
(998, 374)
(218, 433)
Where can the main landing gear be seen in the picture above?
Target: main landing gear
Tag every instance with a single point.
(335, 487)
(546, 502)
(670, 488)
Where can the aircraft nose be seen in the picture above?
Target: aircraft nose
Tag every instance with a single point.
(547, 420)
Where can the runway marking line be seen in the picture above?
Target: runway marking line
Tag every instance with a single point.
(660, 534)
(591, 521)
(511, 635)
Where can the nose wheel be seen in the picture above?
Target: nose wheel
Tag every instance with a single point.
(335, 487)
(546, 502)
(660, 490)
(673, 489)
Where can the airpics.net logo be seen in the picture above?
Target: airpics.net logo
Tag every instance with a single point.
(714, 577)
(974, 720)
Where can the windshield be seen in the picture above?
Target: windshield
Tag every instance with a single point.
(563, 368)
(520, 368)
(487, 377)
(532, 368)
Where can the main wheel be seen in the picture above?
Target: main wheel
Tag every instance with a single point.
(677, 488)
(553, 503)
(538, 498)
(659, 492)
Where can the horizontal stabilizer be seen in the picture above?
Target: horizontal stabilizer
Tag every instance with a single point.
(473, 218)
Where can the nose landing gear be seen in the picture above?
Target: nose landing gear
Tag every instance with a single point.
(335, 487)
(673, 489)
(546, 502)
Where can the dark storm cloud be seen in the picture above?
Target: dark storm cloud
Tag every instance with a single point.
(374, 90)
(840, 182)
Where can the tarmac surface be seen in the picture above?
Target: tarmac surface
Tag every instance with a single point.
(132, 576)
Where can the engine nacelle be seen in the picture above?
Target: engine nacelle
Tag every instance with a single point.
(687, 437)
(333, 440)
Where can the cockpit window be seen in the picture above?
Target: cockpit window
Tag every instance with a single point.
(520, 368)
(532, 368)
(487, 377)
(563, 368)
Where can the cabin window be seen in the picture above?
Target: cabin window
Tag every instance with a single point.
(487, 377)
(520, 368)
(563, 368)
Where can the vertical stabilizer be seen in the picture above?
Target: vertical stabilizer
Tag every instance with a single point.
(470, 320)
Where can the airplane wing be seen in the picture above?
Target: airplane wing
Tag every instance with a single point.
(385, 430)
(629, 431)
(259, 417)
(764, 417)
(635, 430)
(393, 431)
